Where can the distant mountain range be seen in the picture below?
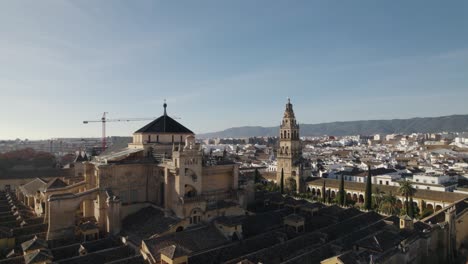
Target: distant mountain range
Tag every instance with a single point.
(453, 123)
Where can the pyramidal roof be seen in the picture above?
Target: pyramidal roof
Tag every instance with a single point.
(174, 251)
(164, 124)
(34, 243)
(55, 183)
(31, 188)
(80, 157)
(38, 256)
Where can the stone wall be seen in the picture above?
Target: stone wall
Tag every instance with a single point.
(219, 178)
(462, 229)
(133, 183)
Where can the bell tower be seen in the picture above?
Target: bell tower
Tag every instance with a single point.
(290, 151)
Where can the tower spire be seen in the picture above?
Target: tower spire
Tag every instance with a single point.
(165, 114)
(289, 112)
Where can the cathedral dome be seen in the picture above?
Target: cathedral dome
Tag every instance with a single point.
(164, 124)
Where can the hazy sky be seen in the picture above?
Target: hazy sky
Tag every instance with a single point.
(227, 63)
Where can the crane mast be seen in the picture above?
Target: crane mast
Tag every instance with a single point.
(104, 143)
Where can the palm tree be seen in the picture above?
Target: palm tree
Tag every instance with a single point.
(406, 189)
(388, 204)
(377, 196)
(411, 211)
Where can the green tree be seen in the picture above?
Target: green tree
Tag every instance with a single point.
(368, 194)
(388, 204)
(411, 210)
(259, 187)
(282, 181)
(406, 189)
(426, 212)
(324, 190)
(257, 176)
(423, 205)
(271, 187)
(377, 196)
(342, 193)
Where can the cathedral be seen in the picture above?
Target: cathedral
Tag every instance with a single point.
(292, 168)
(164, 167)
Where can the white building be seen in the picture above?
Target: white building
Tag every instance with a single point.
(435, 182)
(272, 167)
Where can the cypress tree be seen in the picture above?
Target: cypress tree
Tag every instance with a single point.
(257, 176)
(282, 181)
(368, 195)
(324, 195)
(342, 196)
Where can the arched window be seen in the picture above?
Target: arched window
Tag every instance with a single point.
(190, 191)
(195, 216)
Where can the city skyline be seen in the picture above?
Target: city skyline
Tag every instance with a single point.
(222, 65)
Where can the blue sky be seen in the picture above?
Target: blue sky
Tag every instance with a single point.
(221, 64)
